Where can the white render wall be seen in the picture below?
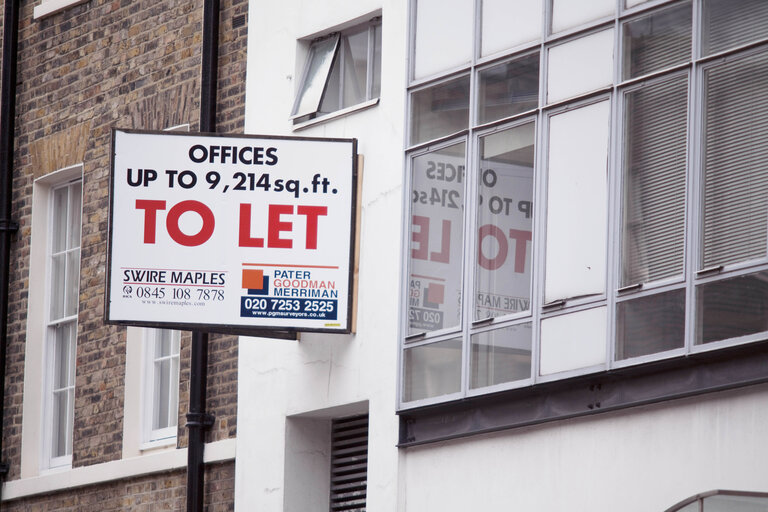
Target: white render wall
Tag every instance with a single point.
(279, 378)
(642, 459)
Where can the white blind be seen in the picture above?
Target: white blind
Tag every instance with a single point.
(654, 183)
(730, 23)
(736, 161)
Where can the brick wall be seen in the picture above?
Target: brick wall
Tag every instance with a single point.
(103, 64)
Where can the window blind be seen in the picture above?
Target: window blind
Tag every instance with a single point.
(654, 183)
(735, 161)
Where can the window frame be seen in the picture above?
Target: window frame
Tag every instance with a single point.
(51, 7)
(310, 115)
(634, 369)
(51, 461)
(166, 436)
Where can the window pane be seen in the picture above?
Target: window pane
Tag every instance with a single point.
(436, 240)
(163, 342)
(432, 370)
(355, 68)
(505, 222)
(581, 65)
(731, 23)
(62, 356)
(735, 152)
(650, 324)
(577, 212)
(376, 85)
(444, 32)
(573, 340)
(657, 41)
(507, 25)
(73, 284)
(60, 438)
(501, 355)
(569, 14)
(59, 220)
(162, 392)
(732, 307)
(654, 182)
(75, 208)
(58, 277)
(440, 110)
(321, 54)
(509, 88)
(725, 503)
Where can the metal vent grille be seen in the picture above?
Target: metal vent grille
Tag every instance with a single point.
(349, 463)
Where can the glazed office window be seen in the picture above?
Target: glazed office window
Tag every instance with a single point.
(585, 198)
(162, 385)
(61, 331)
(342, 70)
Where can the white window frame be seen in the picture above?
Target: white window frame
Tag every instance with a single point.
(151, 437)
(303, 116)
(51, 7)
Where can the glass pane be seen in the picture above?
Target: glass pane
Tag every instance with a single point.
(657, 41)
(75, 209)
(577, 199)
(580, 65)
(501, 355)
(444, 32)
(509, 88)
(650, 324)
(654, 182)
(436, 240)
(162, 392)
(62, 355)
(732, 307)
(432, 370)
(569, 14)
(735, 226)
(58, 276)
(507, 25)
(730, 23)
(376, 85)
(60, 430)
(724, 503)
(59, 220)
(440, 110)
(321, 54)
(355, 68)
(73, 282)
(505, 222)
(573, 340)
(173, 401)
(163, 342)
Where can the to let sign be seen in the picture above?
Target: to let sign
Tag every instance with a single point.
(231, 233)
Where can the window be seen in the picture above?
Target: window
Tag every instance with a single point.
(343, 70)
(724, 501)
(161, 398)
(50, 7)
(61, 326)
(587, 198)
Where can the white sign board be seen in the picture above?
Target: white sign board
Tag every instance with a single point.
(231, 233)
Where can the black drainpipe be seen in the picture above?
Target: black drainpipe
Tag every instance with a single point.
(198, 421)
(7, 226)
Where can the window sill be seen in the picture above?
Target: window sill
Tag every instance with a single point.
(336, 115)
(51, 7)
(659, 381)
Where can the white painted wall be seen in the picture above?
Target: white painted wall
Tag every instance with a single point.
(644, 459)
(279, 378)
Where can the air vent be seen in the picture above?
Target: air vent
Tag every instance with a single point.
(238, 21)
(349, 463)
